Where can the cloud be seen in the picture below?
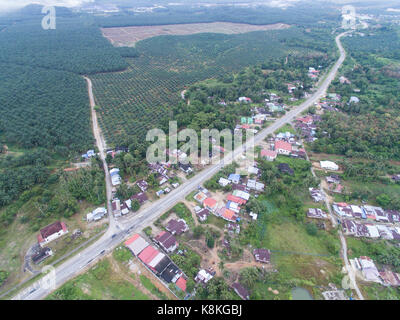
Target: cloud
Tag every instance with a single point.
(7, 5)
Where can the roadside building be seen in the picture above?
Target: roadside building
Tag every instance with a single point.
(51, 232)
(41, 255)
(136, 244)
(316, 213)
(96, 214)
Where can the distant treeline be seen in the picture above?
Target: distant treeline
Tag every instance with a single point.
(299, 15)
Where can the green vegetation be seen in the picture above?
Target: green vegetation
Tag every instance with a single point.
(184, 213)
(151, 287)
(368, 129)
(122, 254)
(3, 276)
(189, 262)
(147, 94)
(216, 289)
(99, 283)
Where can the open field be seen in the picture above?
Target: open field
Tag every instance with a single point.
(128, 36)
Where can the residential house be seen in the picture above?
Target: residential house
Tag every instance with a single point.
(270, 155)
(316, 213)
(51, 232)
(204, 275)
(283, 147)
(136, 244)
(96, 214)
(223, 182)
(234, 178)
(227, 214)
(365, 267)
(143, 185)
(177, 226)
(41, 254)
(329, 165)
(210, 204)
(254, 185)
(203, 214)
(241, 291)
(141, 197)
(167, 241)
(262, 255)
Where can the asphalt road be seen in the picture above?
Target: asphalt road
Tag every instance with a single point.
(116, 234)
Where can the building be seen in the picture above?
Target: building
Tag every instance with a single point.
(234, 178)
(316, 195)
(171, 273)
(204, 275)
(241, 291)
(200, 197)
(227, 214)
(177, 226)
(262, 255)
(223, 182)
(269, 155)
(236, 199)
(241, 194)
(52, 232)
(203, 214)
(366, 269)
(41, 254)
(329, 165)
(181, 283)
(143, 185)
(210, 204)
(186, 168)
(141, 197)
(254, 185)
(316, 213)
(96, 214)
(136, 244)
(167, 241)
(283, 147)
(115, 177)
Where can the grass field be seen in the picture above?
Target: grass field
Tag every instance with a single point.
(101, 282)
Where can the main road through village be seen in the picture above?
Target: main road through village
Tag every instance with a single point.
(119, 230)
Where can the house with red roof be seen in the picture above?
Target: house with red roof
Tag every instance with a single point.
(51, 232)
(283, 147)
(236, 199)
(270, 155)
(227, 214)
(181, 283)
(210, 204)
(148, 254)
(306, 120)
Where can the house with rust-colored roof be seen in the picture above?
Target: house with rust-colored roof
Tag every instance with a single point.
(52, 232)
(181, 283)
(283, 147)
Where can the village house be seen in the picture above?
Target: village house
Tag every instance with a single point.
(241, 291)
(96, 214)
(51, 232)
(234, 178)
(167, 241)
(316, 213)
(262, 255)
(227, 214)
(177, 226)
(254, 185)
(329, 165)
(143, 185)
(316, 195)
(204, 275)
(210, 204)
(269, 155)
(186, 168)
(41, 255)
(203, 214)
(223, 182)
(115, 177)
(232, 228)
(141, 197)
(200, 197)
(366, 269)
(283, 147)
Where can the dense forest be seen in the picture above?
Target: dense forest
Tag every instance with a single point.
(301, 14)
(370, 128)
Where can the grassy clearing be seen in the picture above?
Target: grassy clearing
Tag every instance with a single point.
(99, 283)
(152, 288)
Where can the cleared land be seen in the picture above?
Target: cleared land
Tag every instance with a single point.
(128, 36)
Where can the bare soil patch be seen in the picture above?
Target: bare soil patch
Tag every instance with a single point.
(128, 36)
